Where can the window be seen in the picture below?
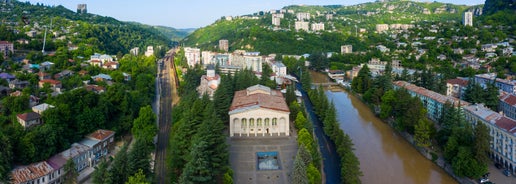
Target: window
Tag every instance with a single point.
(259, 122)
(267, 122)
(244, 123)
(274, 121)
(251, 122)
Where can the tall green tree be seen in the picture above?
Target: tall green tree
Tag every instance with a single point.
(299, 172)
(197, 169)
(423, 133)
(362, 81)
(144, 127)
(101, 175)
(481, 145)
(138, 178)
(71, 174)
(6, 156)
(266, 76)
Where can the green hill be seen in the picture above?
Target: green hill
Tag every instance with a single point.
(256, 32)
(95, 32)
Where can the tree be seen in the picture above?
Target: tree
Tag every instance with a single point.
(101, 174)
(144, 127)
(197, 169)
(464, 164)
(481, 145)
(266, 76)
(301, 122)
(139, 157)
(299, 172)
(119, 171)
(313, 174)
(423, 133)
(71, 173)
(306, 79)
(318, 61)
(490, 98)
(137, 178)
(290, 96)
(6, 155)
(363, 81)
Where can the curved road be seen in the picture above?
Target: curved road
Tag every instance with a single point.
(331, 161)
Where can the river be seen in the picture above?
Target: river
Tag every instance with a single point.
(385, 157)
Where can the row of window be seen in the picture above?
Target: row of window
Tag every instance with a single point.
(259, 122)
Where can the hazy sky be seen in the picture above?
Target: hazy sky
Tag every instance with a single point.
(193, 13)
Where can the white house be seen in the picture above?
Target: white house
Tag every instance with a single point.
(258, 111)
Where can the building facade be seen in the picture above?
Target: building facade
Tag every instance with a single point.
(209, 82)
(6, 48)
(467, 20)
(259, 111)
(302, 16)
(317, 27)
(82, 8)
(502, 131)
(508, 105)
(382, 27)
(456, 87)
(193, 56)
(301, 25)
(224, 45)
(346, 49)
(276, 21)
(432, 101)
(508, 86)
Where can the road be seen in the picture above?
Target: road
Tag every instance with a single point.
(167, 91)
(331, 161)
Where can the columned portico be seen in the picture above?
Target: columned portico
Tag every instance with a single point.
(259, 112)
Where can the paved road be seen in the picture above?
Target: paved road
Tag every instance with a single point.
(331, 161)
(166, 87)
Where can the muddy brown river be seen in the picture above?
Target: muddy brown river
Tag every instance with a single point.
(385, 157)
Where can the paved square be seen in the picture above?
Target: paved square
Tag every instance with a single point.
(243, 159)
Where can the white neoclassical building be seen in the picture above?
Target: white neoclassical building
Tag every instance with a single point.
(259, 111)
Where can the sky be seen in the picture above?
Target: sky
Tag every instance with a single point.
(194, 13)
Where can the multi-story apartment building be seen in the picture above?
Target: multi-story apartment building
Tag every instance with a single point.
(467, 19)
(276, 20)
(224, 45)
(508, 105)
(502, 130)
(502, 84)
(301, 25)
(382, 27)
(302, 16)
(456, 87)
(193, 56)
(317, 27)
(432, 101)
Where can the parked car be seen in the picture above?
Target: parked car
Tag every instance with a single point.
(484, 180)
(506, 172)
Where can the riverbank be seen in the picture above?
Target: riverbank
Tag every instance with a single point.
(431, 154)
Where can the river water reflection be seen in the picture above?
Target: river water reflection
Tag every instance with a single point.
(385, 157)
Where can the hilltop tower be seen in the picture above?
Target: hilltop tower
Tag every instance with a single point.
(82, 8)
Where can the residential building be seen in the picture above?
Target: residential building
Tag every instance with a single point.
(208, 57)
(432, 101)
(135, 51)
(47, 65)
(150, 51)
(301, 25)
(502, 131)
(467, 20)
(259, 111)
(41, 108)
(82, 8)
(101, 57)
(63, 74)
(276, 21)
(507, 105)
(28, 119)
(336, 74)
(31, 33)
(382, 27)
(99, 142)
(508, 86)
(6, 76)
(329, 16)
(112, 65)
(209, 82)
(346, 49)
(302, 16)
(36, 173)
(95, 88)
(54, 84)
(101, 77)
(224, 45)
(279, 68)
(42, 75)
(456, 87)
(6, 48)
(317, 27)
(193, 56)
(253, 62)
